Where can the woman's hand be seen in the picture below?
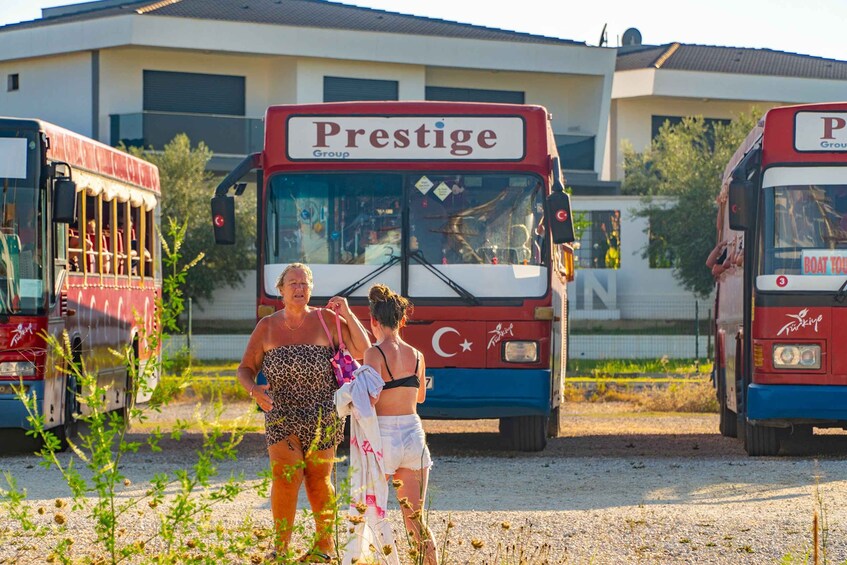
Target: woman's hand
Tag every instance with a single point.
(338, 304)
(260, 395)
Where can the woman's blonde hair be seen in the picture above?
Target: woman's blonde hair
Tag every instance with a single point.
(291, 267)
(387, 307)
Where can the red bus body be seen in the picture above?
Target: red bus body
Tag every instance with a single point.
(89, 278)
(780, 292)
(441, 195)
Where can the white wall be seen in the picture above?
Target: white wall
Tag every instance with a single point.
(634, 119)
(122, 77)
(635, 291)
(56, 89)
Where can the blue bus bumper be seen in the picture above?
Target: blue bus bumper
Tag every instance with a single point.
(486, 393)
(784, 402)
(13, 413)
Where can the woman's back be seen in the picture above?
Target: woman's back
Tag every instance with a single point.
(401, 367)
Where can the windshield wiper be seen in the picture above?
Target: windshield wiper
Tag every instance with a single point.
(842, 292)
(466, 296)
(359, 283)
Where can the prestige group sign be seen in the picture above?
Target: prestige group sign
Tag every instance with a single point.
(406, 138)
(820, 131)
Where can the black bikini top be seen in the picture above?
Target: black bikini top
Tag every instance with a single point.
(411, 381)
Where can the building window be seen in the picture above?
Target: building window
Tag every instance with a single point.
(576, 151)
(13, 82)
(659, 121)
(448, 94)
(193, 93)
(342, 89)
(599, 239)
(659, 254)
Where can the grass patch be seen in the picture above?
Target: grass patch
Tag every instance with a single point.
(692, 395)
(617, 367)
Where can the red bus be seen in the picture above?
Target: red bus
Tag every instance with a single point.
(440, 201)
(78, 253)
(782, 282)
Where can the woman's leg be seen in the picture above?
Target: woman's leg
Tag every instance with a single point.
(321, 493)
(287, 467)
(414, 489)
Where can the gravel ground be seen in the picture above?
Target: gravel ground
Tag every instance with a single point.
(621, 486)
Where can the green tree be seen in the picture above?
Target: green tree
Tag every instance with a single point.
(685, 162)
(187, 188)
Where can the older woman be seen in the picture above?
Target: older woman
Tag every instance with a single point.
(301, 425)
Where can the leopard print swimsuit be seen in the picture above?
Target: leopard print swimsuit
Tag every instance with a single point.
(302, 387)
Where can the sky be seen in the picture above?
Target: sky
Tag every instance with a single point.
(810, 27)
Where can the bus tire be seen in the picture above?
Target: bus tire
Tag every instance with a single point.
(526, 433)
(728, 425)
(761, 440)
(68, 430)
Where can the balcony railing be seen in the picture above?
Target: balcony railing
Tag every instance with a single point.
(224, 135)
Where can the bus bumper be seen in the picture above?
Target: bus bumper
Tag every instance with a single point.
(789, 402)
(486, 393)
(13, 413)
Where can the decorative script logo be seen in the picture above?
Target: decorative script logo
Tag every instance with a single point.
(20, 332)
(499, 332)
(800, 321)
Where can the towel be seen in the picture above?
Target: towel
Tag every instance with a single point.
(368, 486)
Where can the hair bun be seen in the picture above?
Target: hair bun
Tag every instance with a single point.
(379, 293)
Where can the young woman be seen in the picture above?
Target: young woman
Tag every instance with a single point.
(405, 453)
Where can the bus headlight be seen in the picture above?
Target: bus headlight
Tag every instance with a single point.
(796, 356)
(520, 351)
(17, 369)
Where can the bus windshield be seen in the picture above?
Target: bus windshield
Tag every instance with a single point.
(22, 289)
(801, 224)
(455, 221)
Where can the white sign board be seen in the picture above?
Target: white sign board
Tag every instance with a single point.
(12, 158)
(405, 138)
(820, 131)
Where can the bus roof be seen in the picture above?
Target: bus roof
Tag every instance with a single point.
(786, 135)
(87, 154)
(524, 129)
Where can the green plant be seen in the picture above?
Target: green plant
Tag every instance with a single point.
(180, 502)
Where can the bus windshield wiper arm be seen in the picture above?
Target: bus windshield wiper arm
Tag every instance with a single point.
(458, 289)
(842, 292)
(359, 283)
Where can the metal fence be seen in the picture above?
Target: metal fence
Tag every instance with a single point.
(684, 331)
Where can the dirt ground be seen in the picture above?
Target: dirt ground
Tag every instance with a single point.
(620, 486)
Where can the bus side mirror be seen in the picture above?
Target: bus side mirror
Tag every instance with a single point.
(64, 201)
(559, 217)
(223, 219)
(741, 204)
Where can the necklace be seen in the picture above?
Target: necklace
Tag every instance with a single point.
(285, 321)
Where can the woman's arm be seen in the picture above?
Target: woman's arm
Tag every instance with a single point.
(374, 359)
(251, 363)
(422, 378)
(355, 335)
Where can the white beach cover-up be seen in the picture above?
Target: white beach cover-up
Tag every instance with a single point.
(367, 472)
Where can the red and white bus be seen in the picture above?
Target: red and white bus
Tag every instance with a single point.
(782, 283)
(78, 253)
(441, 201)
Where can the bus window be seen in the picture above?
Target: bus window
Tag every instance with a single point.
(74, 239)
(474, 219)
(334, 218)
(149, 238)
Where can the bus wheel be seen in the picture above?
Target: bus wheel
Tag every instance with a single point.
(525, 433)
(728, 419)
(761, 440)
(67, 431)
